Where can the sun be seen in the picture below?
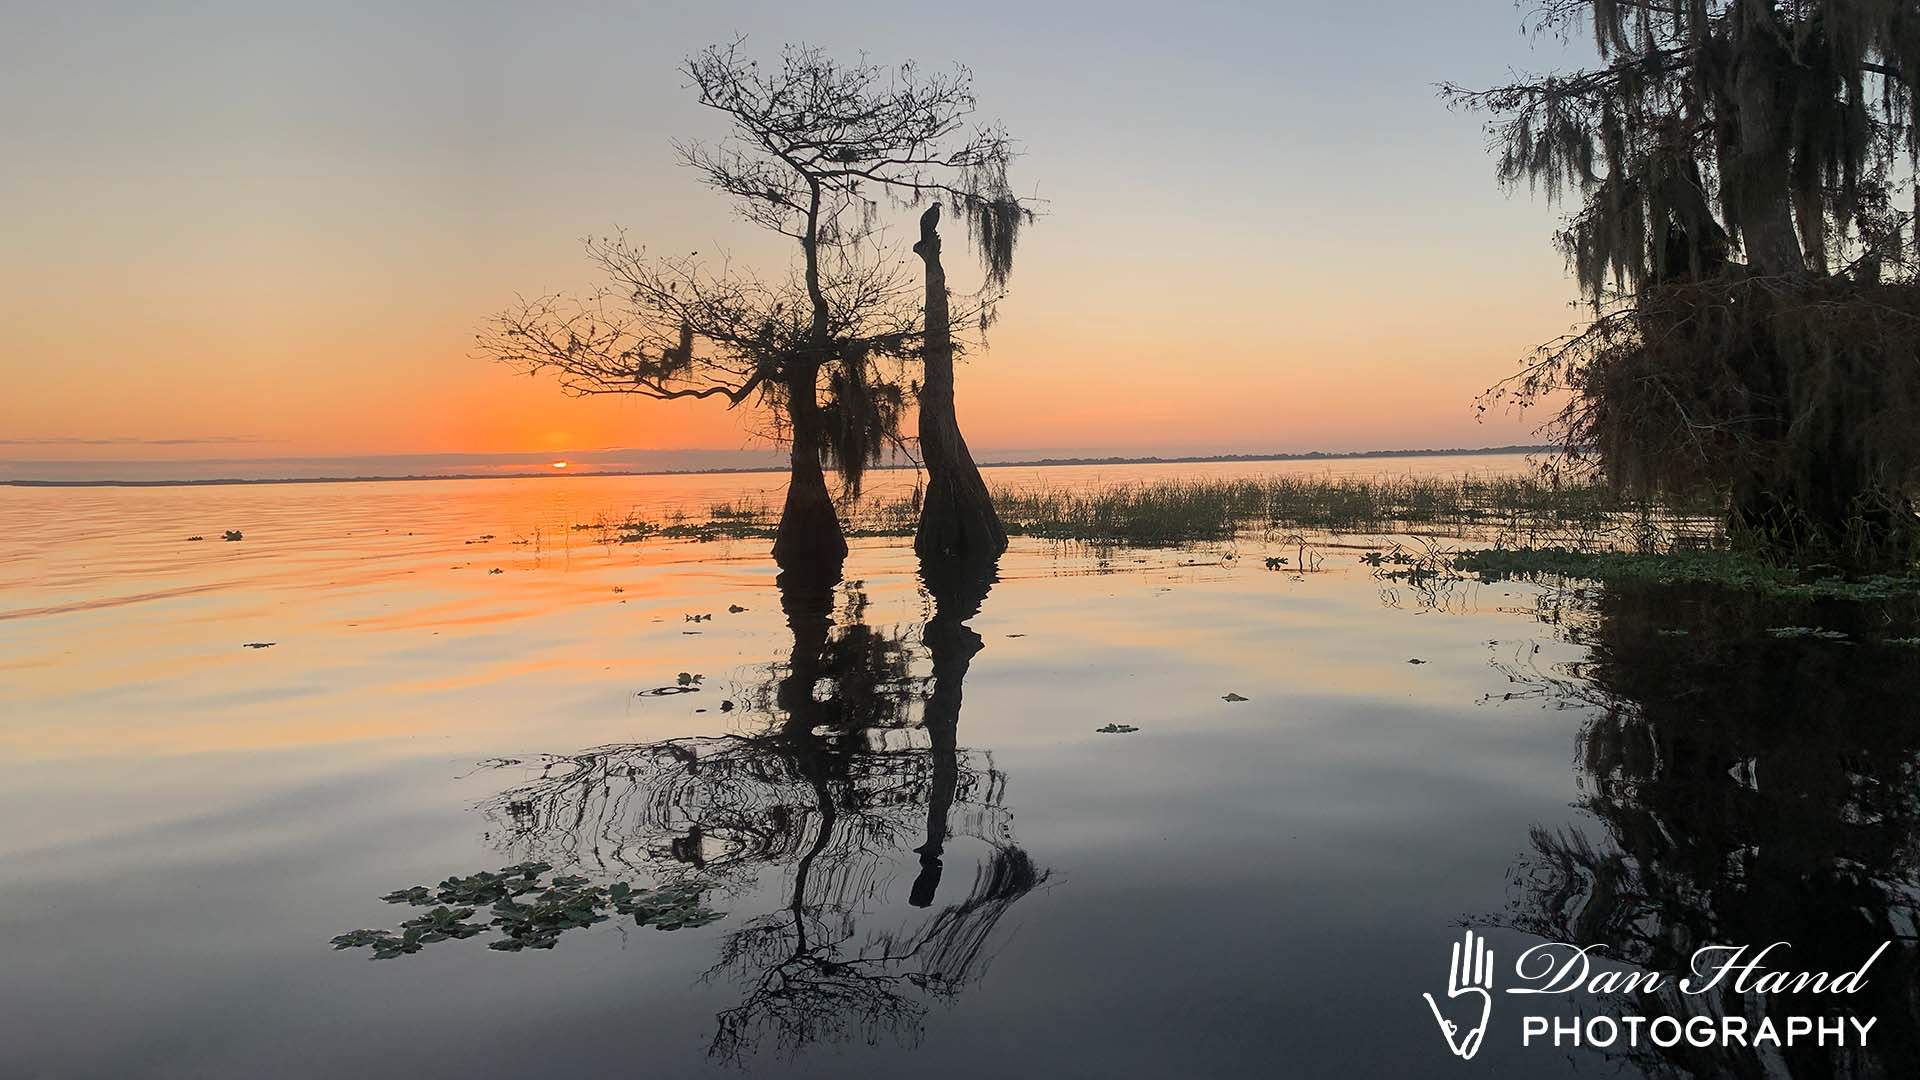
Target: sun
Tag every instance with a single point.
(559, 464)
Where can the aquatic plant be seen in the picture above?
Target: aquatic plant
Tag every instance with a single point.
(1727, 569)
(1808, 633)
(1513, 510)
(567, 902)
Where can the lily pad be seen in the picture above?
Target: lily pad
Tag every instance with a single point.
(526, 912)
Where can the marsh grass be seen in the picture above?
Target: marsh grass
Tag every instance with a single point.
(1172, 512)
(1511, 511)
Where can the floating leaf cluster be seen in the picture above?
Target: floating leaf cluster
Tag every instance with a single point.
(526, 912)
(1807, 632)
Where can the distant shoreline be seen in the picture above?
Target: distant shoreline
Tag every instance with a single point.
(561, 474)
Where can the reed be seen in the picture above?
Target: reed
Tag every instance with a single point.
(1511, 510)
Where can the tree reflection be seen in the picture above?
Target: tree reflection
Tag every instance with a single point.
(1746, 789)
(847, 760)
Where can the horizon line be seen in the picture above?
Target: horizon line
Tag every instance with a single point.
(1195, 459)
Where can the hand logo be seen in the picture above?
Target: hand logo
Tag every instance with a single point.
(1469, 995)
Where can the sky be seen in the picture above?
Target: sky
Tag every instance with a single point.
(271, 230)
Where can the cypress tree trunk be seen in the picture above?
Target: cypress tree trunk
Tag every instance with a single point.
(1821, 500)
(809, 533)
(1759, 180)
(957, 518)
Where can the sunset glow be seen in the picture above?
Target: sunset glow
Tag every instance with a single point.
(243, 254)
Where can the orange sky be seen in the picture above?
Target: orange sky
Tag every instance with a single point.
(279, 237)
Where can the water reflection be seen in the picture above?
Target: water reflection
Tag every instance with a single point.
(847, 764)
(1742, 788)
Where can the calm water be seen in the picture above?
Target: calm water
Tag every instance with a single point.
(911, 879)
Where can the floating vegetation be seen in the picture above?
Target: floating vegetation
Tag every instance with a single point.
(496, 570)
(231, 535)
(1814, 633)
(1722, 568)
(191, 539)
(524, 911)
(686, 678)
(1233, 697)
(260, 644)
(1116, 729)
(1416, 660)
(699, 618)
(734, 609)
(1425, 562)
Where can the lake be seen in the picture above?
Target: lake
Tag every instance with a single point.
(817, 857)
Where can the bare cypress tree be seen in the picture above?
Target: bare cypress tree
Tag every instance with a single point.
(1773, 130)
(814, 144)
(821, 139)
(957, 517)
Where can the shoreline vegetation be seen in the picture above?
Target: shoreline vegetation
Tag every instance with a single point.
(1726, 569)
(774, 468)
(1504, 509)
(1527, 527)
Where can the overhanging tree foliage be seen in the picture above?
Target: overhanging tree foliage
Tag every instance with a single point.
(814, 147)
(1736, 166)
